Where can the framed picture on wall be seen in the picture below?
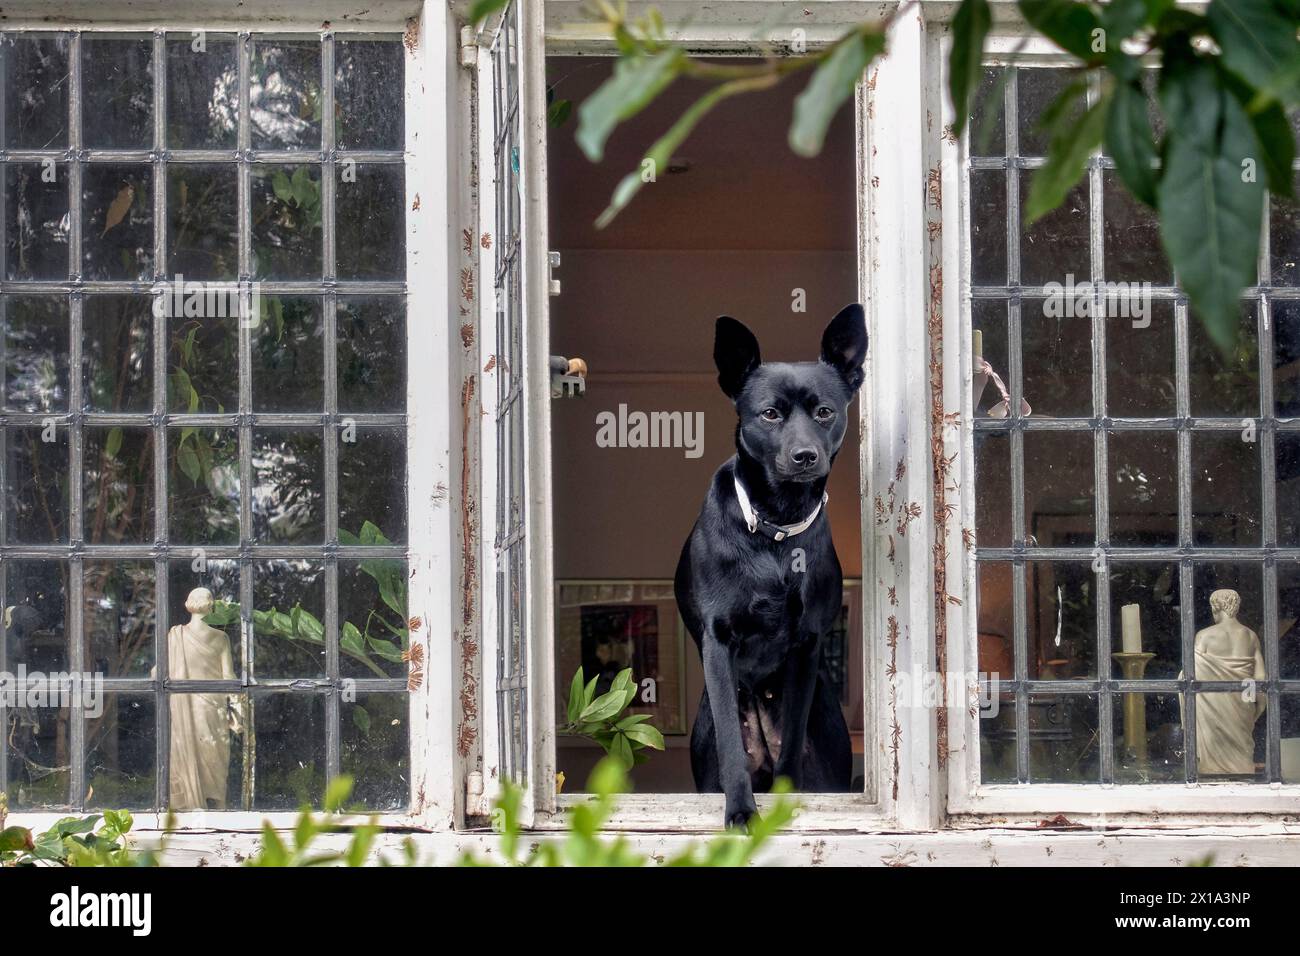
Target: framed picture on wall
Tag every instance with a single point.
(607, 626)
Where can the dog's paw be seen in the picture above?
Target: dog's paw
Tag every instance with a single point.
(739, 813)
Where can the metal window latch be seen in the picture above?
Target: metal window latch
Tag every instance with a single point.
(552, 263)
(568, 377)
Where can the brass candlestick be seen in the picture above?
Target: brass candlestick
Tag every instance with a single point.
(1133, 665)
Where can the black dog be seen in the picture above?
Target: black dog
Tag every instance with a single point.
(759, 584)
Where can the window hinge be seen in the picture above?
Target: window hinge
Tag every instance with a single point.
(468, 46)
(552, 263)
(475, 805)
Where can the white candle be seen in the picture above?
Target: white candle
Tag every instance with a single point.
(1132, 629)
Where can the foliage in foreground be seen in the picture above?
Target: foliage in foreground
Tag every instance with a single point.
(1230, 73)
(77, 842)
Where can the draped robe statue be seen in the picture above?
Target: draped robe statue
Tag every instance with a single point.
(201, 724)
(1225, 721)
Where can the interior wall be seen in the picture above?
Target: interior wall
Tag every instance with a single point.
(748, 230)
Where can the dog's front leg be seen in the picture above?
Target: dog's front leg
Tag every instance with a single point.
(796, 702)
(733, 770)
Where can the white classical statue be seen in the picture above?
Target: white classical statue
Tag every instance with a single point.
(1225, 721)
(201, 724)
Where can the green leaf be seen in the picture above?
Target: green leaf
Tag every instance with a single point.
(1258, 41)
(483, 9)
(189, 462)
(1276, 138)
(391, 578)
(1069, 25)
(1067, 158)
(113, 444)
(575, 698)
(1122, 18)
(361, 717)
(622, 751)
(350, 639)
(635, 82)
(15, 839)
(281, 186)
(304, 189)
(1130, 141)
(1189, 95)
(645, 735)
(969, 28)
(831, 84)
(557, 114)
(337, 793)
(1210, 219)
(385, 649)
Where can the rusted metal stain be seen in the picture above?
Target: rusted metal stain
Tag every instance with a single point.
(467, 732)
(411, 36)
(941, 464)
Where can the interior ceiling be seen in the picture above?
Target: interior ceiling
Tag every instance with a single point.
(744, 189)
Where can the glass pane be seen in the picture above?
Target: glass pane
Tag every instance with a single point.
(288, 485)
(988, 135)
(290, 731)
(117, 352)
(1143, 489)
(117, 485)
(1059, 496)
(117, 222)
(1224, 384)
(280, 649)
(38, 748)
(376, 750)
(120, 753)
(1063, 743)
(207, 766)
(1284, 240)
(203, 482)
(35, 337)
(1062, 620)
(202, 91)
(286, 203)
(988, 227)
(998, 741)
(1037, 89)
(1057, 362)
(1148, 739)
(372, 618)
(1153, 624)
(996, 623)
(371, 220)
(285, 94)
(993, 494)
(1290, 738)
(37, 223)
(202, 364)
(120, 601)
(372, 480)
(203, 221)
(1131, 234)
(1225, 489)
(989, 320)
(1055, 248)
(36, 484)
(1288, 613)
(35, 615)
(368, 83)
(35, 91)
(1286, 356)
(117, 85)
(1287, 464)
(1140, 369)
(288, 355)
(371, 354)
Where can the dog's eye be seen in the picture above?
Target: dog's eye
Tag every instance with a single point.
(770, 415)
(825, 413)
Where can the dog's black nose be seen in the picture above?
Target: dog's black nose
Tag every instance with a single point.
(804, 457)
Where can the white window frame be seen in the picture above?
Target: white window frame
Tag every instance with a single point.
(437, 594)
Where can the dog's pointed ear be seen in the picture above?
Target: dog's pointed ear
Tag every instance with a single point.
(735, 352)
(844, 344)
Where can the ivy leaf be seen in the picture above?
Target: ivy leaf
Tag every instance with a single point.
(832, 83)
(1067, 158)
(1258, 43)
(1130, 141)
(1210, 216)
(969, 28)
(635, 82)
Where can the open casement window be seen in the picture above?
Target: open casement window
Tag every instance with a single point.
(1120, 474)
(592, 586)
(513, 214)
